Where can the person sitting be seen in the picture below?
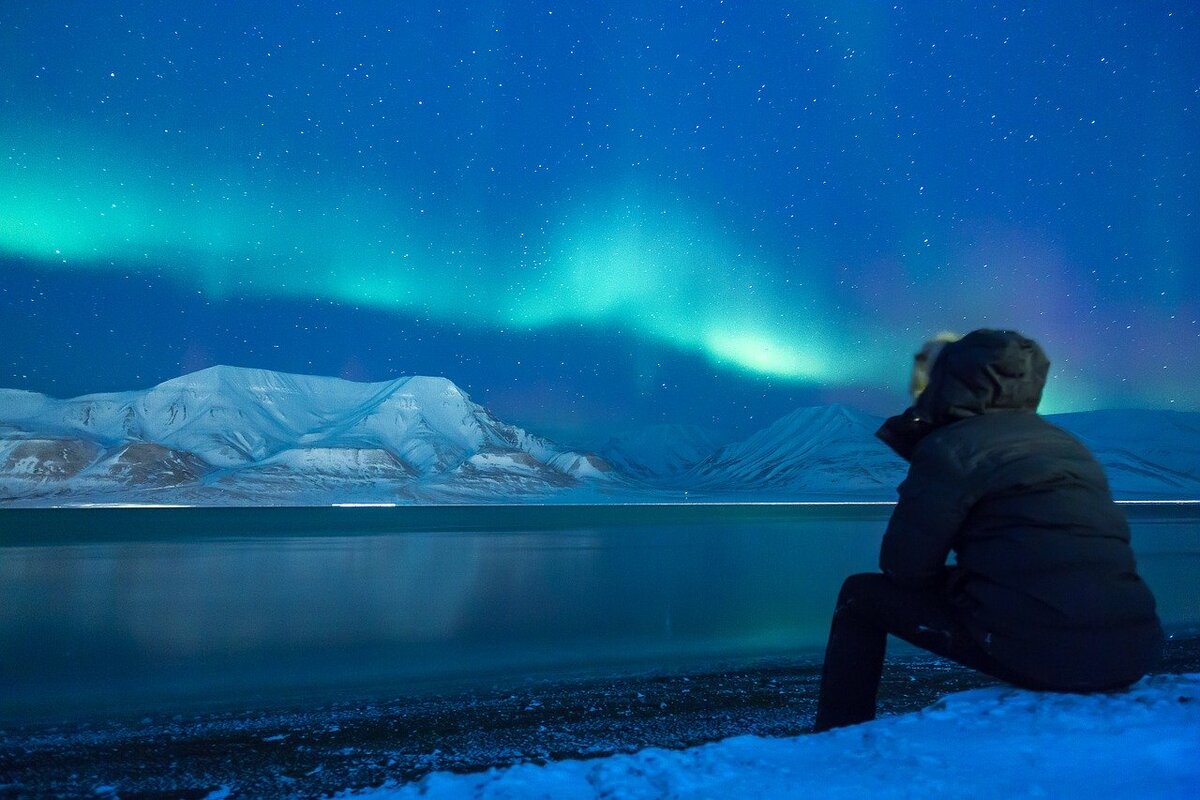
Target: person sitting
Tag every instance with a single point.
(1043, 592)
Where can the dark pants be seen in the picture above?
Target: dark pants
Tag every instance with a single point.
(869, 607)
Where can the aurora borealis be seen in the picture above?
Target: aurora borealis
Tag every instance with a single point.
(596, 215)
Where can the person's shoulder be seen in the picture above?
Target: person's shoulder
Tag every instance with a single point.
(947, 447)
(1016, 436)
(1046, 429)
(1006, 424)
(975, 440)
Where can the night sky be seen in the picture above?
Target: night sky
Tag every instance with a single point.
(595, 216)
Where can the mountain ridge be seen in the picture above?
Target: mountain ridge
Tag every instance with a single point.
(242, 428)
(230, 435)
(816, 450)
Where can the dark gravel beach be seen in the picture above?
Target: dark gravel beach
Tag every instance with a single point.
(314, 751)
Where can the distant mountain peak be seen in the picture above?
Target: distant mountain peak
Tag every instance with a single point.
(828, 450)
(662, 451)
(431, 384)
(834, 412)
(233, 429)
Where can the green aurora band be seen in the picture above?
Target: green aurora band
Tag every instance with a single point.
(626, 259)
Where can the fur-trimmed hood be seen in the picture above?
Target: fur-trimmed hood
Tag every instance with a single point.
(984, 372)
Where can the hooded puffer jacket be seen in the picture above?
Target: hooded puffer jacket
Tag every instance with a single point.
(1044, 572)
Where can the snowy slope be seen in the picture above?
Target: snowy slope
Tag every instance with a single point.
(245, 435)
(828, 451)
(660, 452)
(41, 458)
(1145, 453)
(988, 743)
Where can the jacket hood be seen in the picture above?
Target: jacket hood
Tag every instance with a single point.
(984, 372)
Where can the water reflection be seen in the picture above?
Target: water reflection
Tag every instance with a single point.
(125, 624)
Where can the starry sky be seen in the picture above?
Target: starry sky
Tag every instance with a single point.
(597, 216)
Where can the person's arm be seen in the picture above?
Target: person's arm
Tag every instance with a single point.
(934, 502)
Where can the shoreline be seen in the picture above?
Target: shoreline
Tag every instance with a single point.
(354, 744)
(59, 524)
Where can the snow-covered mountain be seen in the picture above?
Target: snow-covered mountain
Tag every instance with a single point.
(228, 434)
(660, 452)
(828, 452)
(1150, 453)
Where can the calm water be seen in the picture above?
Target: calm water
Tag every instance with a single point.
(104, 610)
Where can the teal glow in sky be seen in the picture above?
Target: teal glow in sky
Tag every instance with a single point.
(654, 213)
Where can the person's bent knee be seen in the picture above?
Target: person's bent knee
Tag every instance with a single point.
(860, 585)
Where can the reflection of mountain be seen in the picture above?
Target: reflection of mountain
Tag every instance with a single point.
(242, 436)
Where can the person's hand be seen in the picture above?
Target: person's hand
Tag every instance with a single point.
(903, 431)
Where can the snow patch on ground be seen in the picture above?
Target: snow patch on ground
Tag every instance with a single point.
(986, 743)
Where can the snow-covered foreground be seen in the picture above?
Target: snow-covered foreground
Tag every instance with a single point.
(986, 743)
